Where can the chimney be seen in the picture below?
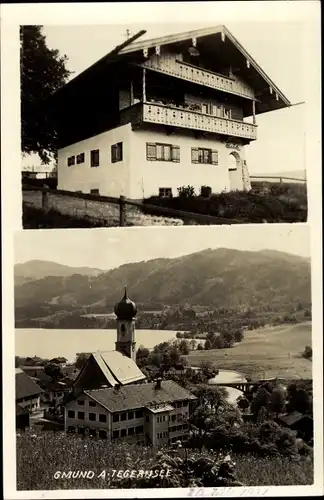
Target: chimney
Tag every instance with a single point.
(158, 383)
(117, 387)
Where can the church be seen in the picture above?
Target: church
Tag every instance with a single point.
(112, 399)
(155, 115)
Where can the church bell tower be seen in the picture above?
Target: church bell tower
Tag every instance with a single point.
(125, 311)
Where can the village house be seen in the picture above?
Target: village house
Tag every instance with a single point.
(155, 115)
(112, 399)
(154, 413)
(28, 393)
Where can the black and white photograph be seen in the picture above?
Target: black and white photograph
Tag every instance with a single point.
(180, 361)
(173, 125)
(162, 304)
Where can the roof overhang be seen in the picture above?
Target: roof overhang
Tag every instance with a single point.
(268, 96)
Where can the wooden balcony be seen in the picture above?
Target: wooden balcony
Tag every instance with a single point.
(194, 120)
(185, 71)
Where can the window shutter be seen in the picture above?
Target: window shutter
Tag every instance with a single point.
(176, 153)
(214, 157)
(114, 153)
(194, 155)
(151, 151)
(120, 151)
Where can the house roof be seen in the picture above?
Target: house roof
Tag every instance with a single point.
(293, 417)
(25, 386)
(139, 396)
(249, 69)
(116, 368)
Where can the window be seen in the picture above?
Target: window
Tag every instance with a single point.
(71, 429)
(80, 158)
(81, 430)
(116, 417)
(71, 413)
(103, 434)
(94, 191)
(173, 418)
(131, 431)
(81, 415)
(117, 152)
(205, 156)
(92, 417)
(94, 158)
(92, 433)
(147, 418)
(165, 192)
(115, 434)
(92, 403)
(184, 404)
(102, 417)
(123, 433)
(123, 416)
(81, 402)
(130, 415)
(139, 429)
(162, 152)
(138, 414)
(71, 161)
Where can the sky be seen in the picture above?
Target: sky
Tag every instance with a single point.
(276, 46)
(109, 249)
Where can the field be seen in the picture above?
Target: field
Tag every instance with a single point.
(52, 452)
(266, 352)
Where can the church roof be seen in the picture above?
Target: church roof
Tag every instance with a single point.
(125, 309)
(115, 367)
(140, 396)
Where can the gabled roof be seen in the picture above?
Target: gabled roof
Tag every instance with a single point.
(25, 386)
(131, 397)
(250, 71)
(293, 417)
(115, 367)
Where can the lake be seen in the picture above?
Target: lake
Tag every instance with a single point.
(50, 343)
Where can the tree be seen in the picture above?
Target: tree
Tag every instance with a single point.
(308, 353)
(298, 399)
(200, 347)
(242, 403)
(142, 355)
(184, 347)
(208, 344)
(260, 400)
(81, 358)
(43, 71)
(277, 401)
(54, 371)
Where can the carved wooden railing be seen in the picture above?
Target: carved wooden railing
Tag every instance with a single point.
(171, 66)
(173, 116)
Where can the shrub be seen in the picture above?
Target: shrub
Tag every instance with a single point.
(186, 191)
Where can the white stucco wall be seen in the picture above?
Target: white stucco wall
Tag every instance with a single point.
(147, 176)
(112, 179)
(136, 177)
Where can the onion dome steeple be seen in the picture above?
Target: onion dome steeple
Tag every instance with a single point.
(125, 309)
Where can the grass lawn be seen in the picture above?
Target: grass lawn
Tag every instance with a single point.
(266, 352)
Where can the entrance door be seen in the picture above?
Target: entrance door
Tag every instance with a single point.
(235, 172)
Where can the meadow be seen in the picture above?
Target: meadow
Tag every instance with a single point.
(53, 452)
(264, 353)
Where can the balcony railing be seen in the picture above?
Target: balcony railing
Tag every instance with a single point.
(185, 71)
(183, 118)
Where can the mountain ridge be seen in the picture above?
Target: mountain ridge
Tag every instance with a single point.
(212, 277)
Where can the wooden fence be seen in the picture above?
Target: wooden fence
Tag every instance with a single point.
(269, 178)
(126, 208)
